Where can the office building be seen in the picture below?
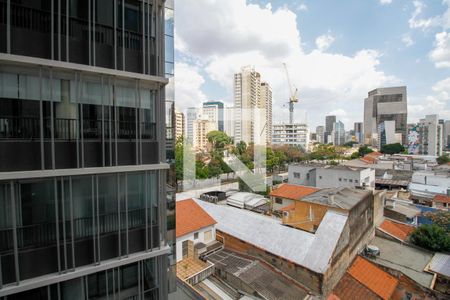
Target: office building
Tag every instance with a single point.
(385, 104)
(446, 135)
(359, 132)
(387, 135)
(179, 124)
(291, 134)
(320, 134)
(430, 136)
(329, 123)
(201, 127)
(265, 103)
(214, 111)
(339, 133)
(83, 195)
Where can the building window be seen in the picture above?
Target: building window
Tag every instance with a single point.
(350, 180)
(320, 177)
(340, 179)
(297, 175)
(196, 236)
(307, 176)
(278, 201)
(356, 180)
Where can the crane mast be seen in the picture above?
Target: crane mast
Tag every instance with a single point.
(292, 96)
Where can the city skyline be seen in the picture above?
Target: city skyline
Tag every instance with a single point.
(332, 63)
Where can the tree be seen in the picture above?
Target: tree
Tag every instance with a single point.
(350, 144)
(355, 155)
(364, 150)
(219, 139)
(440, 218)
(432, 237)
(443, 159)
(392, 148)
(179, 155)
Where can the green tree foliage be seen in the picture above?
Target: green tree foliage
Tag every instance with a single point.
(179, 155)
(364, 150)
(440, 218)
(201, 170)
(443, 159)
(432, 237)
(392, 148)
(219, 140)
(355, 155)
(323, 152)
(350, 144)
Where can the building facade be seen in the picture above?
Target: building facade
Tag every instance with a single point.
(329, 123)
(265, 103)
(385, 104)
(179, 124)
(214, 111)
(386, 134)
(291, 134)
(201, 128)
(229, 121)
(83, 172)
(339, 133)
(430, 136)
(192, 114)
(359, 132)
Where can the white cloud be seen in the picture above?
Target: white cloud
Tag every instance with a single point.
(440, 55)
(188, 82)
(416, 21)
(249, 34)
(302, 7)
(407, 40)
(323, 42)
(438, 102)
(384, 2)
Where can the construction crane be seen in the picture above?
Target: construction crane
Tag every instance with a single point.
(292, 96)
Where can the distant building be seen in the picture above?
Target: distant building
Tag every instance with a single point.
(430, 136)
(265, 103)
(291, 134)
(192, 114)
(179, 124)
(229, 121)
(329, 123)
(201, 127)
(287, 194)
(320, 134)
(385, 104)
(325, 176)
(386, 134)
(446, 135)
(359, 132)
(339, 133)
(214, 111)
(425, 185)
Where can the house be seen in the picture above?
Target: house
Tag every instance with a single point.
(193, 226)
(441, 201)
(440, 266)
(315, 260)
(286, 194)
(367, 280)
(395, 231)
(326, 176)
(427, 184)
(401, 211)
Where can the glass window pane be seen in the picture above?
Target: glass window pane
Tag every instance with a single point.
(9, 85)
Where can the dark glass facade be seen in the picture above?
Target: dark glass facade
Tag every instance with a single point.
(83, 172)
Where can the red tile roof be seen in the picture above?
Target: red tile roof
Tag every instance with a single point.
(190, 217)
(398, 230)
(372, 277)
(349, 288)
(293, 192)
(371, 157)
(441, 198)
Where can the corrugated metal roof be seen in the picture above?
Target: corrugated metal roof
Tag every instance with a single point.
(440, 263)
(312, 251)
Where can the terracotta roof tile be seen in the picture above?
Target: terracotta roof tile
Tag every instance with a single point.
(191, 217)
(398, 230)
(293, 192)
(372, 277)
(349, 288)
(441, 198)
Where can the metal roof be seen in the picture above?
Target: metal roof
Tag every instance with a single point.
(313, 251)
(342, 197)
(440, 264)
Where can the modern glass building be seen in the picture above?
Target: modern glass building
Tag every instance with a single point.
(83, 170)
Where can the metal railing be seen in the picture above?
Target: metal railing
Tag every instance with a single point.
(200, 276)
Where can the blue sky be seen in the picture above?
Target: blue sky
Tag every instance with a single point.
(336, 51)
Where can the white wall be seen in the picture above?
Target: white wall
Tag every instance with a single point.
(190, 236)
(285, 202)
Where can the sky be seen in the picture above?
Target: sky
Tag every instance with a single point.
(335, 52)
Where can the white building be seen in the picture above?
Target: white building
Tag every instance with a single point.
(201, 127)
(291, 134)
(229, 121)
(385, 104)
(325, 176)
(179, 124)
(430, 136)
(320, 134)
(214, 111)
(193, 224)
(265, 103)
(446, 135)
(192, 114)
(387, 134)
(426, 184)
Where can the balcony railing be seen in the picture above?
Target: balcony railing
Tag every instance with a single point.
(44, 234)
(67, 129)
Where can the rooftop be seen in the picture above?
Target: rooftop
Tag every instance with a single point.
(409, 260)
(397, 230)
(190, 266)
(293, 192)
(190, 217)
(313, 251)
(440, 264)
(408, 210)
(378, 281)
(403, 183)
(350, 288)
(342, 197)
(441, 198)
(330, 167)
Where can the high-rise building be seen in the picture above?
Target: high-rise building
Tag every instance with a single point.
(386, 134)
(291, 134)
(192, 114)
(329, 123)
(214, 111)
(338, 133)
(253, 107)
(83, 195)
(385, 104)
(265, 103)
(430, 136)
(201, 127)
(320, 134)
(229, 121)
(446, 135)
(359, 132)
(179, 124)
